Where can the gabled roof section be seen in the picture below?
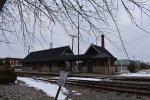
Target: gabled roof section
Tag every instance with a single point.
(47, 55)
(91, 50)
(97, 50)
(67, 50)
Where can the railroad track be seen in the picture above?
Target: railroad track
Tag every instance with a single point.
(118, 86)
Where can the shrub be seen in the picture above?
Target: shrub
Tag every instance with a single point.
(144, 66)
(1, 62)
(131, 67)
(7, 74)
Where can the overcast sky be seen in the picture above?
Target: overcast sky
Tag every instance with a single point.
(136, 41)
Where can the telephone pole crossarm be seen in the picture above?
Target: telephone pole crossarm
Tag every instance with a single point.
(29, 49)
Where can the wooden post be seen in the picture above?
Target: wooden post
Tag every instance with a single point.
(57, 92)
(108, 66)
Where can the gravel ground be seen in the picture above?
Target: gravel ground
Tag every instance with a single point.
(82, 93)
(19, 91)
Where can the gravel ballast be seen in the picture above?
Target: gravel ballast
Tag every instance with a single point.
(96, 94)
(19, 91)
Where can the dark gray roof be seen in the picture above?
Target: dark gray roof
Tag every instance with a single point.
(99, 52)
(46, 55)
(56, 54)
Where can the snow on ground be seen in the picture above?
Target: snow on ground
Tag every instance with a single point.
(136, 74)
(79, 78)
(51, 89)
(144, 71)
(75, 78)
(48, 88)
(141, 73)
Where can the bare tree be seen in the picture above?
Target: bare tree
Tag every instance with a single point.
(96, 16)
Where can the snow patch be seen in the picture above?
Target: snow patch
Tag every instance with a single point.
(136, 74)
(141, 73)
(144, 71)
(78, 93)
(87, 79)
(48, 88)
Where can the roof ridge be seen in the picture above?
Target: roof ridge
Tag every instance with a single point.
(104, 50)
(50, 49)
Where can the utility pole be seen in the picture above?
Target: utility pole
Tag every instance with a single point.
(51, 45)
(78, 32)
(73, 36)
(134, 57)
(29, 49)
(121, 63)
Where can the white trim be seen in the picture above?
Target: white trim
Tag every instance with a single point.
(93, 47)
(97, 50)
(65, 50)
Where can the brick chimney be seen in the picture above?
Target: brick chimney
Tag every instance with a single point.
(102, 41)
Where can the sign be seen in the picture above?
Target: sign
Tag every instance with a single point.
(62, 78)
(61, 81)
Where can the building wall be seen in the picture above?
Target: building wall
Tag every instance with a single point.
(99, 67)
(43, 67)
(84, 69)
(124, 67)
(100, 70)
(27, 67)
(57, 66)
(112, 70)
(104, 70)
(54, 69)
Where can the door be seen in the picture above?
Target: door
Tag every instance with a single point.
(50, 66)
(89, 67)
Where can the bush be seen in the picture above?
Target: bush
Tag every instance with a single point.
(7, 74)
(131, 67)
(1, 62)
(144, 66)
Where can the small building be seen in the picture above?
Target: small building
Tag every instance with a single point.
(96, 59)
(14, 62)
(50, 60)
(123, 64)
